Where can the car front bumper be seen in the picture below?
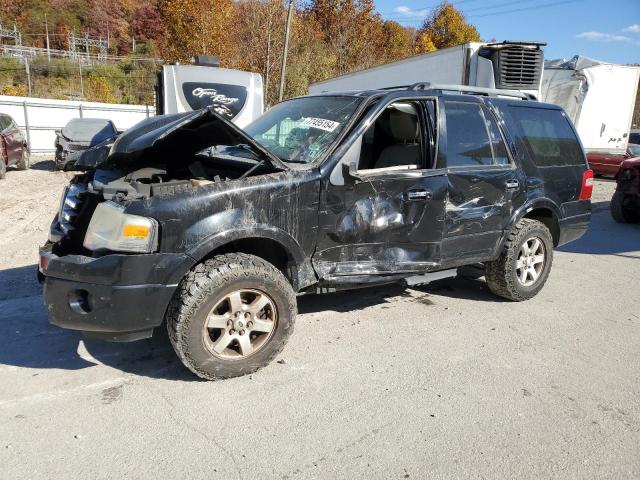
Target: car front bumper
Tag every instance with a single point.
(114, 297)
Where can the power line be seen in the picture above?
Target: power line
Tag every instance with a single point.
(515, 10)
(428, 7)
(400, 16)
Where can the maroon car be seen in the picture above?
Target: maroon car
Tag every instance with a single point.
(608, 164)
(625, 204)
(13, 146)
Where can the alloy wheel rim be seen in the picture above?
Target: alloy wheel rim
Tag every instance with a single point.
(240, 324)
(530, 262)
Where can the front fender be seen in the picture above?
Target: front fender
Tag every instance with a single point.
(302, 273)
(213, 242)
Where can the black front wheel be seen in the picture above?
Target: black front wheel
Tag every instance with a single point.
(231, 315)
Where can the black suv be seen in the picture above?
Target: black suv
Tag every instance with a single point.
(186, 218)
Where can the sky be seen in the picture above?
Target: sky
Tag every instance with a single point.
(604, 30)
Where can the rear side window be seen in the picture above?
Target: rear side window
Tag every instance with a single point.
(548, 136)
(473, 137)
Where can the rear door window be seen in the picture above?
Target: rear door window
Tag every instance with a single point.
(4, 123)
(548, 136)
(473, 136)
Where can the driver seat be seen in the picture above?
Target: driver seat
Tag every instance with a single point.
(406, 147)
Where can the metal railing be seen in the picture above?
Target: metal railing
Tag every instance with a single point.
(40, 118)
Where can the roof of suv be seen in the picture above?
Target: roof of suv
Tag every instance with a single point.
(436, 89)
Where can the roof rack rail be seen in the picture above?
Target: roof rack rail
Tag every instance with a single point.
(488, 92)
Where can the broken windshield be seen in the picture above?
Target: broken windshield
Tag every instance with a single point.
(300, 130)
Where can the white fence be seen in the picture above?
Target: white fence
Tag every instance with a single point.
(39, 118)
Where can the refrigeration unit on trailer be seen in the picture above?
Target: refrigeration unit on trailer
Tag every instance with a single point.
(598, 97)
(234, 94)
(509, 65)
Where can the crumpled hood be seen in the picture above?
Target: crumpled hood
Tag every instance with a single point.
(174, 136)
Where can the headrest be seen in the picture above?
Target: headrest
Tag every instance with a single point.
(404, 127)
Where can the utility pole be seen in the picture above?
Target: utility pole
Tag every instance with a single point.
(28, 72)
(268, 59)
(46, 28)
(286, 49)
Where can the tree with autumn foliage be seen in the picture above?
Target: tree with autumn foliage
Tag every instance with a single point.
(328, 38)
(445, 27)
(196, 27)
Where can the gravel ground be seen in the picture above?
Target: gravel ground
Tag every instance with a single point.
(442, 381)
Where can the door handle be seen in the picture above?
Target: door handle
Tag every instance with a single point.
(512, 184)
(413, 195)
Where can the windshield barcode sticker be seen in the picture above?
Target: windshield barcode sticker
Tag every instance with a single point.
(321, 123)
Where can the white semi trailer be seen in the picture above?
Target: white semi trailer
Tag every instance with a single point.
(599, 98)
(508, 65)
(234, 94)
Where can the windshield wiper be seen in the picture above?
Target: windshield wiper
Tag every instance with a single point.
(252, 169)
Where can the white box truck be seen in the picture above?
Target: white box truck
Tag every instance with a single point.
(599, 98)
(509, 65)
(234, 94)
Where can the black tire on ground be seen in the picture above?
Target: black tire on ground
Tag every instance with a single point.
(204, 287)
(25, 160)
(501, 274)
(3, 169)
(620, 212)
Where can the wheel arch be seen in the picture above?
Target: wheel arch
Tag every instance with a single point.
(543, 210)
(271, 244)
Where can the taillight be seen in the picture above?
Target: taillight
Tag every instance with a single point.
(587, 185)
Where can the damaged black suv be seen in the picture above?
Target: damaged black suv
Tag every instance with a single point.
(190, 220)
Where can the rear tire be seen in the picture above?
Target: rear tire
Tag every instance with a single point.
(620, 212)
(3, 168)
(25, 160)
(524, 264)
(216, 321)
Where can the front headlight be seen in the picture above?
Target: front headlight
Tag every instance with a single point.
(112, 229)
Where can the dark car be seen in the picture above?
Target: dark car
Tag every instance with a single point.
(14, 150)
(625, 203)
(608, 164)
(78, 135)
(188, 219)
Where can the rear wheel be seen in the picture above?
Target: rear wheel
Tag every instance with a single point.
(231, 315)
(621, 211)
(3, 168)
(524, 265)
(25, 160)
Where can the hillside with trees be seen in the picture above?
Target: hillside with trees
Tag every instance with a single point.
(328, 38)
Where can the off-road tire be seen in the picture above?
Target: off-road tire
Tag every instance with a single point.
(501, 273)
(24, 162)
(3, 169)
(202, 288)
(618, 211)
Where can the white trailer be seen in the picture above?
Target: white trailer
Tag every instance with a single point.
(598, 97)
(509, 65)
(234, 94)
